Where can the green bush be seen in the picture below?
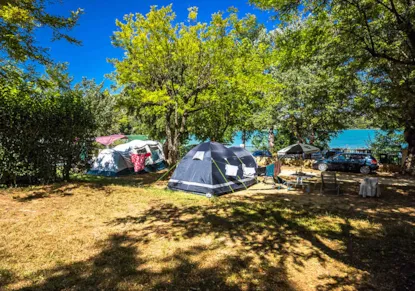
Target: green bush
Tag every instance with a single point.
(45, 126)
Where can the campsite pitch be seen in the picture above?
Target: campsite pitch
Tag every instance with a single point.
(129, 234)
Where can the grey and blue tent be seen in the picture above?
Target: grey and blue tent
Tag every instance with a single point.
(211, 168)
(111, 163)
(117, 161)
(246, 157)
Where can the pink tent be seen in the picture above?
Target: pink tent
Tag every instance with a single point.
(107, 140)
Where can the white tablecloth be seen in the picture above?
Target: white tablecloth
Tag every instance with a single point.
(369, 187)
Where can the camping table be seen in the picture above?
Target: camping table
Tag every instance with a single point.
(301, 177)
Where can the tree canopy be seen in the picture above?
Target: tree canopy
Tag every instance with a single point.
(378, 36)
(316, 85)
(328, 65)
(173, 74)
(19, 20)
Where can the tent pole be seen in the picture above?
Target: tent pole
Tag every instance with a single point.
(239, 160)
(166, 172)
(222, 175)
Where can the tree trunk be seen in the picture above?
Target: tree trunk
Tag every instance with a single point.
(172, 148)
(271, 138)
(312, 137)
(244, 138)
(166, 150)
(409, 165)
(173, 132)
(67, 168)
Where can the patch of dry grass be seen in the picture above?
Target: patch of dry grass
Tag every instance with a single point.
(120, 234)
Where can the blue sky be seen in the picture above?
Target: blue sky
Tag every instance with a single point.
(97, 24)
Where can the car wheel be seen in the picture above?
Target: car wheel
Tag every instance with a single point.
(365, 170)
(322, 167)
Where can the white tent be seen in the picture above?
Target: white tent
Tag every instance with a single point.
(117, 161)
(110, 163)
(141, 147)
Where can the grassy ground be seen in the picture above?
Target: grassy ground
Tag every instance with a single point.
(129, 234)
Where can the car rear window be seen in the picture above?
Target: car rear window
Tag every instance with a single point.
(357, 157)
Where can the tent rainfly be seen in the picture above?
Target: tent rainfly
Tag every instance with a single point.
(298, 148)
(155, 162)
(137, 137)
(111, 163)
(245, 157)
(117, 161)
(107, 140)
(212, 169)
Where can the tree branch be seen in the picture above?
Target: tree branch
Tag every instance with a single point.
(388, 57)
(145, 104)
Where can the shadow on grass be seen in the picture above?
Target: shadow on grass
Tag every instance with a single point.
(119, 266)
(116, 262)
(6, 277)
(292, 229)
(140, 180)
(59, 189)
(33, 196)
(95, 182)
(280, 228)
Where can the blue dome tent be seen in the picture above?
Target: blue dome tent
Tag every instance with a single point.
(246, 157)
(211, 168)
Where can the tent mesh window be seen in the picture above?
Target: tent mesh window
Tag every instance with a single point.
(199, 155)
(141, 151)
(155, 153)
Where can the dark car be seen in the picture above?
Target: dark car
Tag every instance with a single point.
(262, 153)
(363, 163)
(331, 153)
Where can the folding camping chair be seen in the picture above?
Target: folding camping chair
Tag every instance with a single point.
(329, 182)
(276, 181)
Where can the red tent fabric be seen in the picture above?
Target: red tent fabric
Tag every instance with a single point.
(107, 140)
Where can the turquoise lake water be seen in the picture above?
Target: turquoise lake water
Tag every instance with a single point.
(351, 138)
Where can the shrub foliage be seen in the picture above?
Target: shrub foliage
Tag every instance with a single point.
(46, 128)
